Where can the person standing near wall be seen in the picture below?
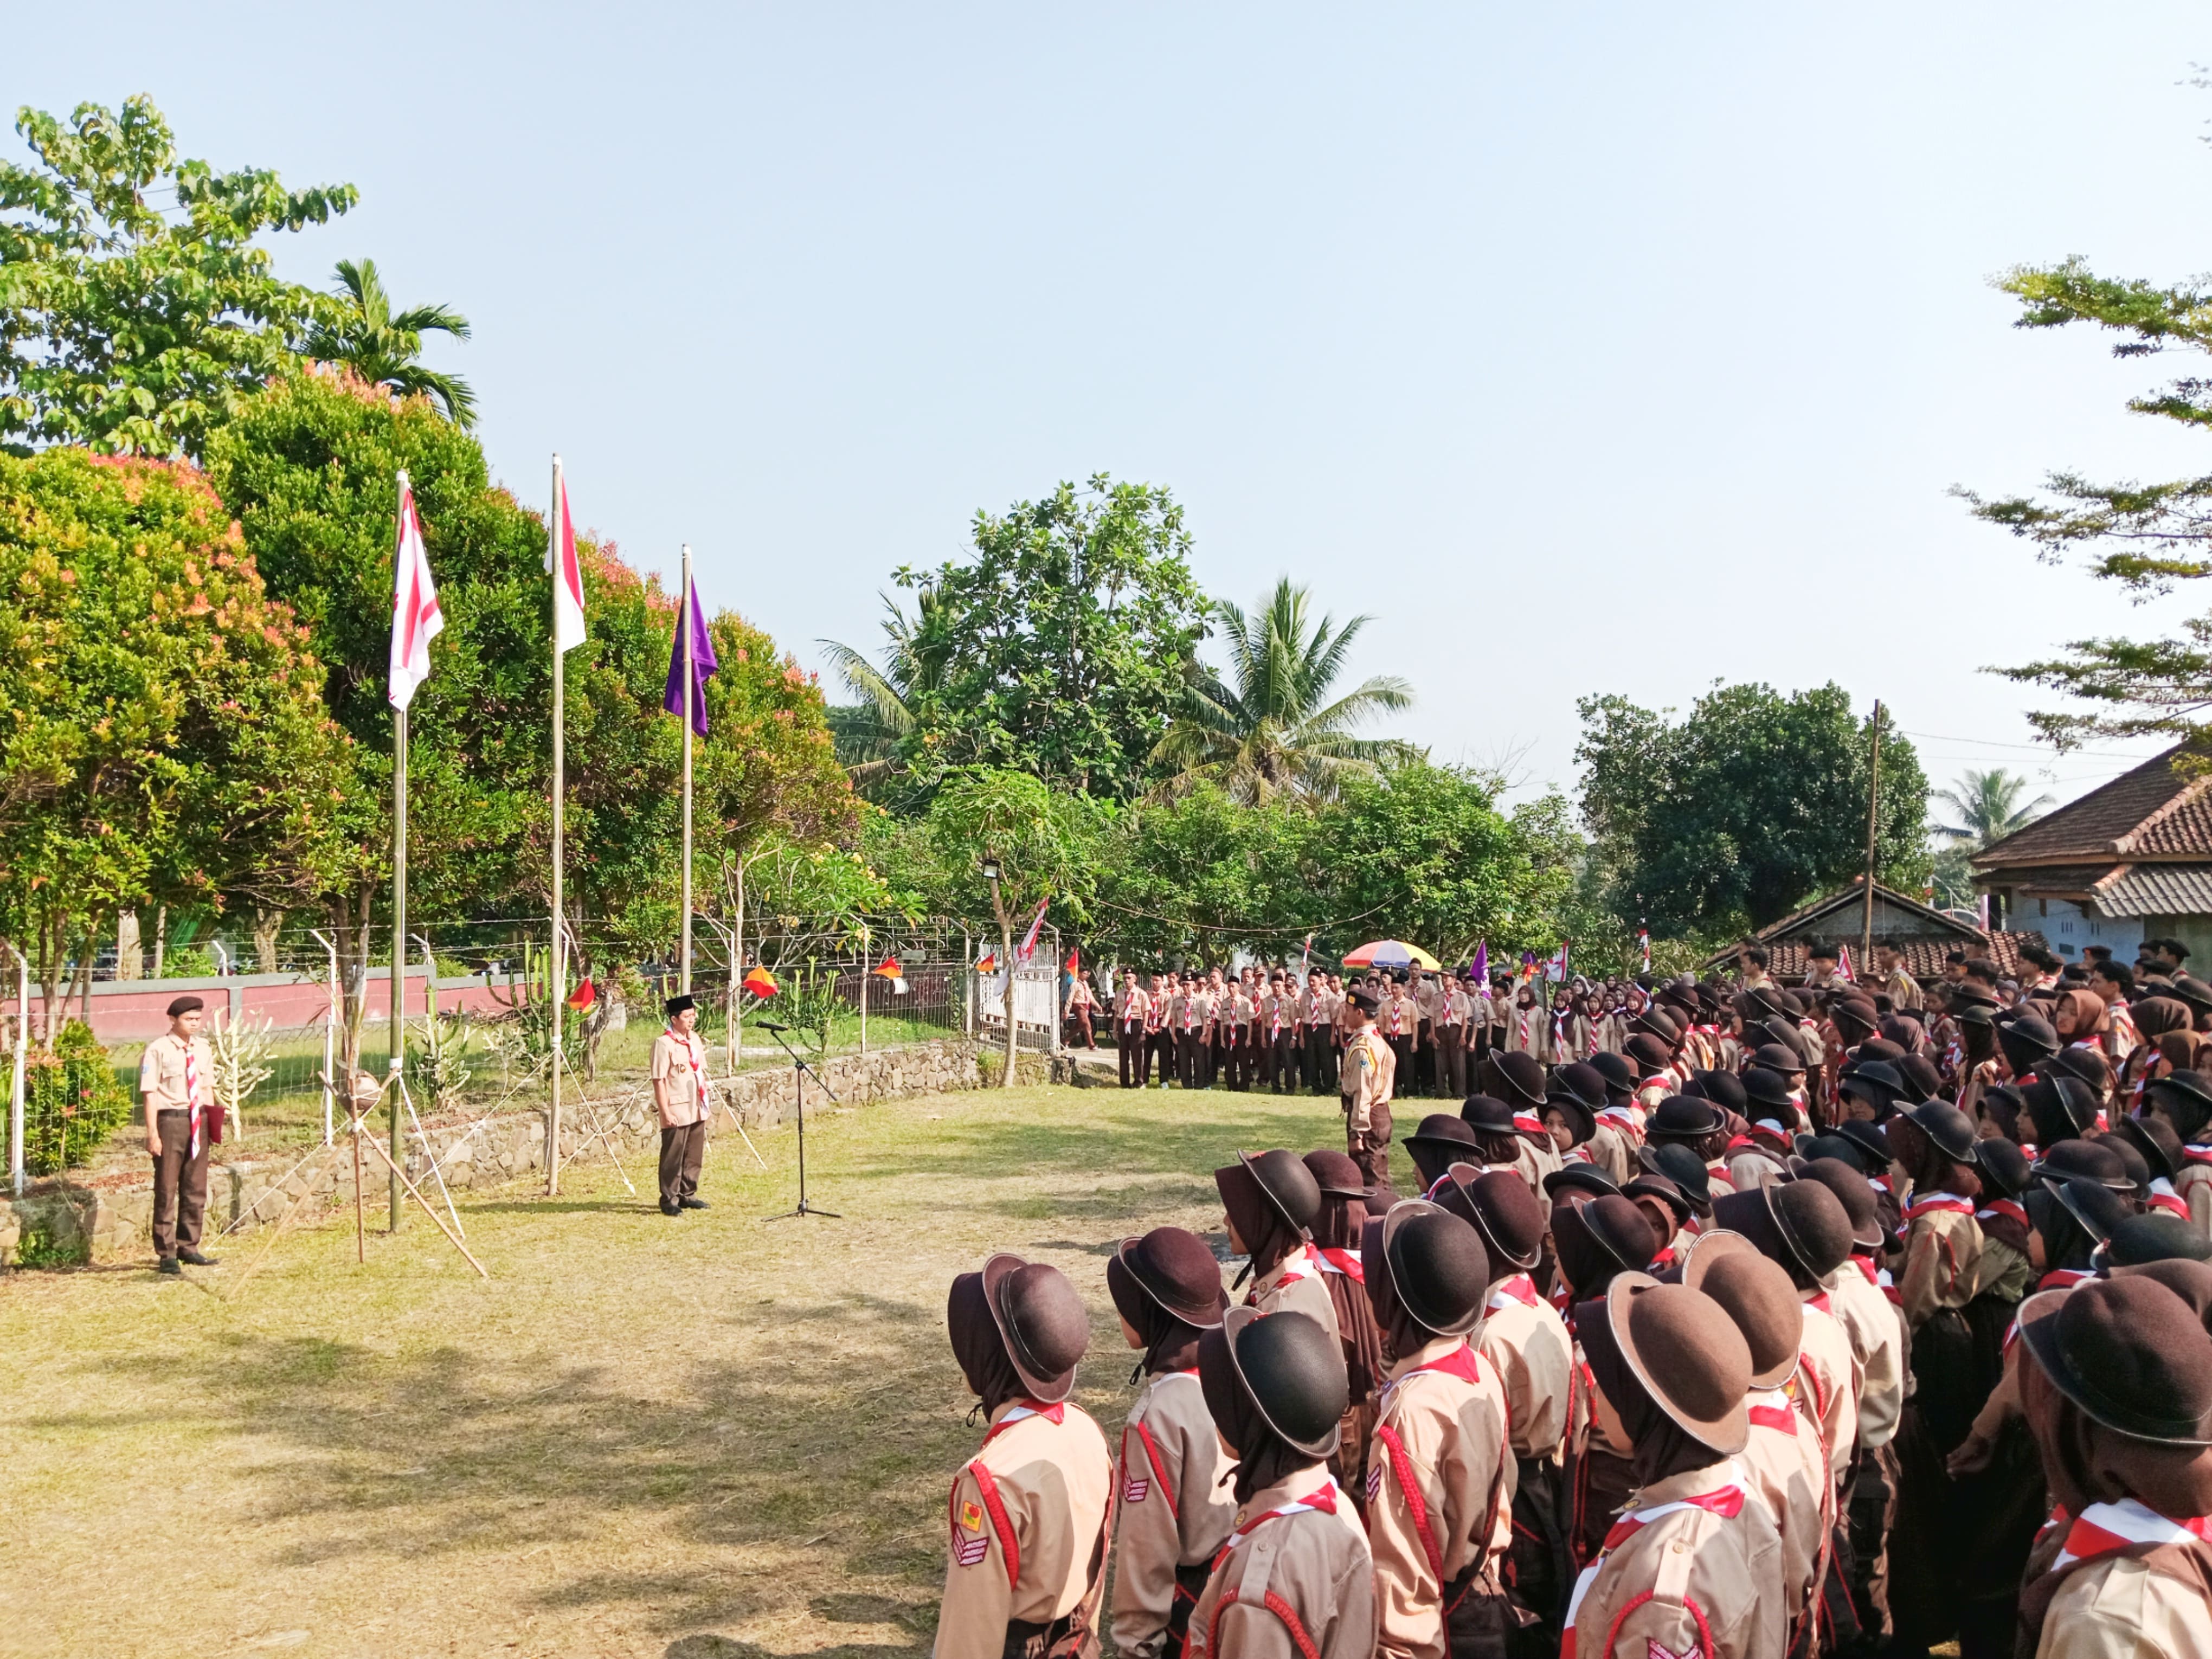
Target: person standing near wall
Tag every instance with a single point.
(679, 1090)
(176, 1077)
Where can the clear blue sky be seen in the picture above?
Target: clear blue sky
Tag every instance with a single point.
(1605, 348)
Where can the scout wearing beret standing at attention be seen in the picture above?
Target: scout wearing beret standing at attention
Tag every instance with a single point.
(1370, 1071)
(177, 1078)
(679, 1090)
(1028, 1514)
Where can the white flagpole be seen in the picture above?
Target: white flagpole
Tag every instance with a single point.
(690, 691)
(559, 974)
(399, 1034)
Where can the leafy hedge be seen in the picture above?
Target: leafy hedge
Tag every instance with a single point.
(73, 1100)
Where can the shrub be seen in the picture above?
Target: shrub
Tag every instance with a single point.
(73, 1100)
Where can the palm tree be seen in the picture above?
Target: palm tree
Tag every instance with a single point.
(1987, 805)
(886, 701)
(362, 332)
(1276, 730)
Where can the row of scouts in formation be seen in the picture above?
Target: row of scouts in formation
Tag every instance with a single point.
(1810, 1322)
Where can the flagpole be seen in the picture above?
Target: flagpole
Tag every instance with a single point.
(398, 1031)
(691, 689)
(558, 986)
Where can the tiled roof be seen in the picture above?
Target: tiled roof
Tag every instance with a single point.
(2053, 879)
(2156, 890)
(1924, 958)
(2152, 810)
(1854, 896)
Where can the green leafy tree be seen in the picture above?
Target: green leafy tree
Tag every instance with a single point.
(362, 332)
(1274, 724)
(1042, 840)
(1194, 876)
(870, 729)
(2148, 538)
(1753, 804)
(129, 322)
(1065, 641)
(163, 737)
(1987, 806)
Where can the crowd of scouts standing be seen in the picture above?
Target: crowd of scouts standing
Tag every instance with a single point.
(1847, 1319)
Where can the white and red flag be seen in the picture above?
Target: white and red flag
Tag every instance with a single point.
(415, 617)
(568, 578)
(1029, 939)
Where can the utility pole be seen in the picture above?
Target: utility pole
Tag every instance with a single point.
(1873, 802)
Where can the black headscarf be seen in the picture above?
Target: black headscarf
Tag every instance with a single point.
(1664, 1447)
(977, 1344)
(1402, 1333)
(2066, 1242)
(1169, 1344)
(1258, 1224)
(1263, 1457)
(1339, 1226)
(1586, 1265)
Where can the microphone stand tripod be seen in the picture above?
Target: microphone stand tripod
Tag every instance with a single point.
(799, 1073)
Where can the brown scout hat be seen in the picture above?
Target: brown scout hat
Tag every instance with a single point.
(1439, 1271)
(1498, 1204)
(1687, 1353)
(1173, 1267)
(2129, 1352)
(1522, 1076)
(1294, 1371)
(1758, 1295)
(1040, 1320)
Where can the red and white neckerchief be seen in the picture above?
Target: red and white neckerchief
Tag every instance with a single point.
(1771, 1408)
(1520, 1288)
(1879, 1279)
(1624, 1119)
(1528, 1124)
(1346, 1262)
(1528, 1028)
(2062, 1278)
(1031, 1408)
(691, 1054)
(2003, 1206)
(2163, 1197)
(192, 1093)
(1938, 1204)
(1822, 1303)
(1301, 1263)
(1661, 1262)
(1727, 1502)
(1462, 1361)
(2194, 1153)
(2103, 1528)
(1323, 1499)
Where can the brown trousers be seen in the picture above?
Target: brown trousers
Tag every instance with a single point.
(179, 1185)
(1451, 1061)
(1369, 1151)
(683, 1150)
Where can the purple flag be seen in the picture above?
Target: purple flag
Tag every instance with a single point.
(703, 663)
(1480, 969)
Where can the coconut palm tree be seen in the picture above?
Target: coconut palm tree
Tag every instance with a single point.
(1276, 728)
(362, 332)
(1988, 807)
(869, 730)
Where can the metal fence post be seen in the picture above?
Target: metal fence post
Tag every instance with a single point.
(868, 972)
(1054, 981)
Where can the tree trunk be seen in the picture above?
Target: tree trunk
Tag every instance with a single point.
(160, 936)
(129, 954)
(266, 924)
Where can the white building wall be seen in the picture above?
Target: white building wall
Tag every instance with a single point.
(2068, 926)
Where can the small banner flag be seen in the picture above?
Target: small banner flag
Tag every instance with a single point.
(1305, 953)
(568, 579)
(1643, 945)
(703, 663)
(1478, 970)
(989, 963)
(1073, 964)
(1029, 939)
(1528, 966)
(1844, 965)
(416, 620)
(760, 982)
(888, 969)
(583, 996)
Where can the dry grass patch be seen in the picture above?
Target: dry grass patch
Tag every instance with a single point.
(721, 1435)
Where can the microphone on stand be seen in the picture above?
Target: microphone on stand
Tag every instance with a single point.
(768, 1025)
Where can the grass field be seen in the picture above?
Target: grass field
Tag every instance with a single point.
(716, 1435)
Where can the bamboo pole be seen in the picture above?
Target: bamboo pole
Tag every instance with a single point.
(558, 978)
(1874, 799)
(683, 622)
(398, 1035)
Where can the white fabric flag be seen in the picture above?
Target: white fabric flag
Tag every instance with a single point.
(416, 620)
(568, 579)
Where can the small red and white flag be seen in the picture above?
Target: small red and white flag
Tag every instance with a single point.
(1029, 939)
(568, 577)
(416, 620)
(888, 969)
(1844, 964)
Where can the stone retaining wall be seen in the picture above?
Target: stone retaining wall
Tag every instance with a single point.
(110, 1222)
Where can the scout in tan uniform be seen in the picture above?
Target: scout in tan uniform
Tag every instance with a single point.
(1787, 1468)
(1370, 1073)
(1346, 1201)
(1694, 1566)
(1597, 1240)
(1174, 1503)
(176, 1079)
(1294, 1580)
(2119, 1400)
(2184, 1099)
(1129, 1012)
(1455, 1014)
(1270, 1202)
(680, 1092)
(1527, 1342)
(1934, 1145)
(1028, 1513)
(1517, 1080)
(1440, 1478)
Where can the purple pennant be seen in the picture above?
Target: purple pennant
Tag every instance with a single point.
(1480, 969)
(703, 665)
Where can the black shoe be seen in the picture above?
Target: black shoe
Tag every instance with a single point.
(666, 1208)
(169, 1265)
(692, 1203)
(193, 1256)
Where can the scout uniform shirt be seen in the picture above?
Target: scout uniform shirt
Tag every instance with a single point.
(1176, 1509)
(1942, 1255)
(1871, 1324)
(1786, 1468)
(1028, 1517)
(1828, 1384)
(1439, 1494)
(1695, 1566)
(681, 1057)
(1371, 1075)
(2192, 1185)
(1294, 1581)
(1524, 1338)
(2129, 1584)
(1136, 1003)
(177, 1076)
(1294, 1285)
